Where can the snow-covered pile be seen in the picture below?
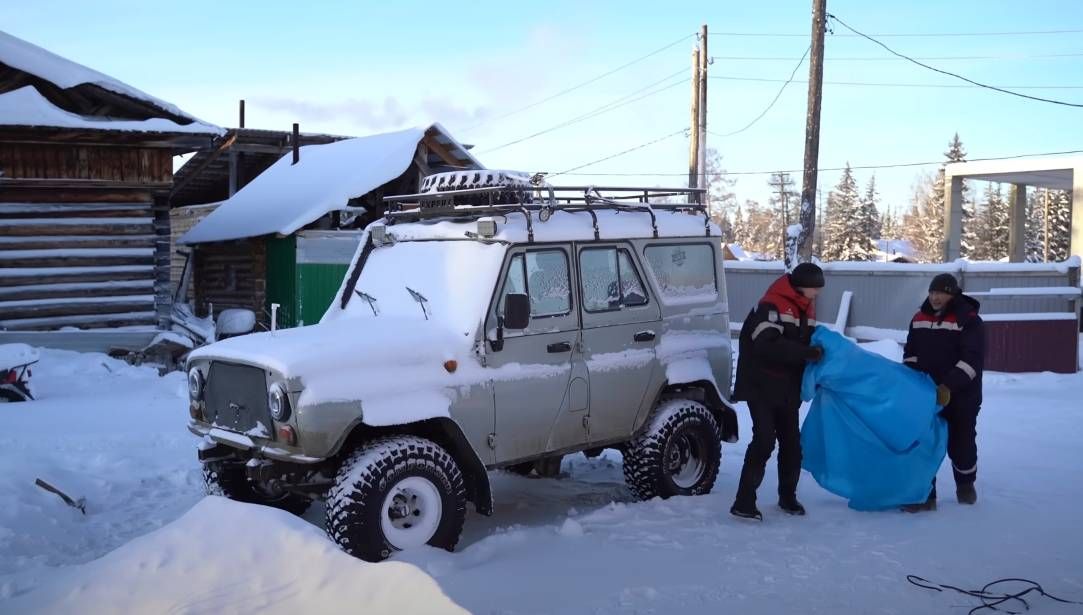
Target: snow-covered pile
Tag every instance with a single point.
(226, 557)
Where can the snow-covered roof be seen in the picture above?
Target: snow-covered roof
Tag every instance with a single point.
(287, 196)
(27, 107)
(64, 73)
(895, 246)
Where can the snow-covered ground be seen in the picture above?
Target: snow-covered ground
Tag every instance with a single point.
(151, 543)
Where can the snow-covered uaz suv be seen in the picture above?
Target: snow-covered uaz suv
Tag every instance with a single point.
(471, 338)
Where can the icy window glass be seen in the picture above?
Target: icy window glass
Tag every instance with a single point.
(548, 283)
(631, 287)
(684, 273)
(610, 280)
(543, 276)
(515, 284)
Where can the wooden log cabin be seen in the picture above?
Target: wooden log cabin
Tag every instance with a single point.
(284, 237)
(86, 168)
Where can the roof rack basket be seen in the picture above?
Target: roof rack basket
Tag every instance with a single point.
(470, 194)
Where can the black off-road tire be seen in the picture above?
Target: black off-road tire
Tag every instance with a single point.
(229, 480)
(673, 422)
(355, 501)
(522, 469)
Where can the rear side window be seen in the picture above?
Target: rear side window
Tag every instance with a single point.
(610, 280)
(684, 272)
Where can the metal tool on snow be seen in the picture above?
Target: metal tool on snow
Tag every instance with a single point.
(80, 503)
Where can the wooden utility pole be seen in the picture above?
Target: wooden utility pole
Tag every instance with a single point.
(704, 59)
(693, 146)
(812, 132)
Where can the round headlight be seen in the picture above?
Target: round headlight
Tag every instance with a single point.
(279, 403)
(195, 384)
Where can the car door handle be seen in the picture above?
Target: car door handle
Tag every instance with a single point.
(559, 347)
(644, 336)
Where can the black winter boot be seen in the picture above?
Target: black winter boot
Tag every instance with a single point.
(746, 512)
(926, 506)
(791, 506)
(966, 494)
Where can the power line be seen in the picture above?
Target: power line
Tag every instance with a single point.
(886, 59)
(772, 103)
(823, 169)
(899, 85)
(950, 74)
(621, 153)
(610, 106)
(900, 35)
(585, 83)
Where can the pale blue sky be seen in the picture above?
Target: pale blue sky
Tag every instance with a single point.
(361, 67)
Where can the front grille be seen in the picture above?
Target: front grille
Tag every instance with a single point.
(236, 398)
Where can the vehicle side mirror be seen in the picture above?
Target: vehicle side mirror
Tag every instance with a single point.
(234, 322)
(516, 311)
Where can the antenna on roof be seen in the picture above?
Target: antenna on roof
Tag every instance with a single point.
(296, 143)
(240, 122)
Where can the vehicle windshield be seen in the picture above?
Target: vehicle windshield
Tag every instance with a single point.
(456, 279)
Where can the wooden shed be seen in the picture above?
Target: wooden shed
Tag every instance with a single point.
(286, 238)
(86, 167)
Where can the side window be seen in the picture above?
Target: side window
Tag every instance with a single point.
(685, 273)
(610, 280)
(542, 275)
(548, 283)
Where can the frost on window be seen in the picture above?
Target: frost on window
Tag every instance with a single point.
(610, 280)
(631, 286)
(548, 285)
(515, 284)
(543, 277)
(684, 273)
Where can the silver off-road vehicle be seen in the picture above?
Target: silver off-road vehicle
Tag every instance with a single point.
(485, 323)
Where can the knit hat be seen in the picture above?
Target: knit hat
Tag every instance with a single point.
(807, 275)
(945, 283)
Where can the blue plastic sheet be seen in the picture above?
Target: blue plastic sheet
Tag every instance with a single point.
(872, 435)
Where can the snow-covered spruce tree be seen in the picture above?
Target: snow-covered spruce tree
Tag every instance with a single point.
(1035, 226)
(1060, 224)
(968, 243)
(923, 223)
(739, 234)
(870, 229)
(843, 234)
(993, 225)
(721, 199)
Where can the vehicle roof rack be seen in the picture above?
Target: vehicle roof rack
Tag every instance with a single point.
(472, 194)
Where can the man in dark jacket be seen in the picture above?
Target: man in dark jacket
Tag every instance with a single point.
(773, 349)
(947, 341)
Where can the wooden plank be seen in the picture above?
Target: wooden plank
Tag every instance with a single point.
(92, 340)
(47, 242)
(73, 261)
(42, 308)
(76, 226)
(105, 288)
(46, 194)
(62, 275)
(124, 319)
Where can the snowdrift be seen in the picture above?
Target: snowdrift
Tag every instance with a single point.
(227, 557)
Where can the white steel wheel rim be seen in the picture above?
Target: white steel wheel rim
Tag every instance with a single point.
(411, 513)
(684, 461)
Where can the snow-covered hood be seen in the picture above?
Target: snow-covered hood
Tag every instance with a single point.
(343, 346)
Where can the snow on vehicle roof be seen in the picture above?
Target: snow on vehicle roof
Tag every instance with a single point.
(288, 196)
(27, 107)
(64, 73)
(565, 226)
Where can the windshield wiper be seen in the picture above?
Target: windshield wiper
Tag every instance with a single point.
(369, 299)
(421, 300)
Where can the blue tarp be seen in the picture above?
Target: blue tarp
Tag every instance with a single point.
(872, 434)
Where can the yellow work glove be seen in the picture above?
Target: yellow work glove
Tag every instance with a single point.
(943, 395)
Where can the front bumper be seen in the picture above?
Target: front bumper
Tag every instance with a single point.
(246, 444)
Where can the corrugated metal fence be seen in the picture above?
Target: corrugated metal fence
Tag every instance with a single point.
(886, 295)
